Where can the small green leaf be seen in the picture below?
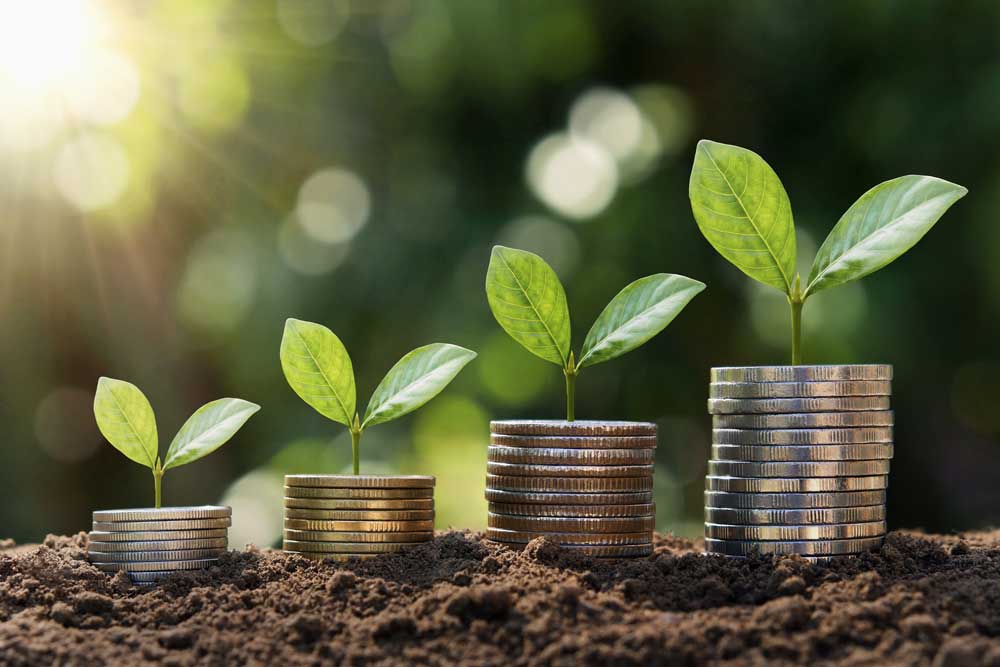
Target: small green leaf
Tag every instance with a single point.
(742, 209)
(639, 312)
(529, 302)
(126, 419)
(210, 427)
(415, 379)
(884, 223)
(318, 369)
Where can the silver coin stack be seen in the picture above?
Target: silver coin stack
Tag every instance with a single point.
(800, 460)
(587, 485)
(357, 516)
(152, 543)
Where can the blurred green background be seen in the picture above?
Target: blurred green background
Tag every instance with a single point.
(178, 177)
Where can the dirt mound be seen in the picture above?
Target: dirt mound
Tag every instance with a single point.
(459, 600)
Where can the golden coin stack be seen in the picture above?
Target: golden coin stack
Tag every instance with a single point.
(587, 485)
(357, 516)
(800, 460)
(152, 543)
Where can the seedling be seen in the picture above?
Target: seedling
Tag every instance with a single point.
(319, 370)
(742, 209)
(126, 419)
(529, 302)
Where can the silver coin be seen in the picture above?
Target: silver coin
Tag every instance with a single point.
(563, 456)
(360, 526)
(569, 484)
(156, 556)
(767, 517)
(359, 515)
(157, 545)
(357, 494)
(543, 498)
(148, 578)
(346, 547)
(640, 509)
(358, 536)
(162, 513)
(798, 468)
(571, 525)
(158, 566)
(801, 373)
(167, 524)
(577, 428)
(802, 452)
(836, 531)
(528, 470)
(156, 535)
(794, 500)
(592, 539)
(346, 504)
(574, 442)
(805, 548)
(807, 420)
(728, 406)
(811, 436)
(799, 389)
(795, 485)
(361, 481)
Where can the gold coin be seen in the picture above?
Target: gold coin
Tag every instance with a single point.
(360, 526)
(360, 503)
(642, 509)
(361, 481)
(316, 492)
(171, 524)
(345, 536)
(528, 470)
(524, 536)
(572, 524)
(162, 513)
(574, 442)
(578, 457)
(577, 428)
(569, 484)
(358, 515)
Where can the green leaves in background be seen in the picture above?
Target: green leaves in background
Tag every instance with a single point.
(125, 417)
(210, 427)
(884, 223)
(639, 312)
(319, 370)
(529, 302)
(415, 379)
(742, 209)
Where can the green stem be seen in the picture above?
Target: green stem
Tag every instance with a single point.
(356, 450)
(796, 331)
(157, 479)
(570, 393)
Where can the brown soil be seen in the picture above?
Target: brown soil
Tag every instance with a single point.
(922, 600)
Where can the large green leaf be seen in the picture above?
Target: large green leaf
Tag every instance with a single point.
(318, 369)
(884, 223)
(528, 301)
(126, 419)
(210, 427)
(639, 312)
(742, 209)
(415, 379)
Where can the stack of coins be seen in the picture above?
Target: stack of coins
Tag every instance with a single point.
(357, 516)
(150, 544)
(587, 485)
(800, 460)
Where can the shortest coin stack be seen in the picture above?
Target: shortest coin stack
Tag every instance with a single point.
(357, 516)
(586, 485)
(152, 543)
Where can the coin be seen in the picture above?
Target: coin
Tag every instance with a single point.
(799, 389)
(793, 500)
(806, 420)
(361, 503)
(641, 509)
(574, 442)
(579, 428)
(802, 452)
(360, 526)
(357, 515)
(161, 513)
(842, 373)
(321, 556)
(569, 484)
(156, 535)
(140, 578)
(795, 517)
(724, 406)
(524, 536)
(561, 456)
(528, 470)
(792, 485)
(798, 468)
(158, 545)
(158, 566)
(346, 547)
(347, 536)
(594, 499)
(571, 524)
(170, 524)
(159, 556)
(814, 547)
(812, 436)
(598, 551)
(315, 492)
(836, 531)
(361, 481)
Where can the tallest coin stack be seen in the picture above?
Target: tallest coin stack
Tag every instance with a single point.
(800, 459)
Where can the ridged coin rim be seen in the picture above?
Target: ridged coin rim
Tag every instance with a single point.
(802, 453)
(792, 517)
(573, 442)
(800, 389)
(356, 536)
(804, 469)
(571, 524)
(156, 535)
(106, 557)
(805, 548)
(356, 494)
(569, 484)
(569, 456)
(361, 481)
(359, 515)
(802, 436)
(347, 547)
(158, 545)
(794, 501)
(578, 428)
(164, 513)
(543, 470)
(363, 504)
(795, 485)
(584, 539)
(573, 511)
(780, 533)
(165, 525)
(158, 566)
(806, 420)
(816, 373)
(567, 498)
(728, 406)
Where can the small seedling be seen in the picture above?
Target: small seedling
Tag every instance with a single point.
(126, 419)
(529, 302)
(742, 209)
(319, 370)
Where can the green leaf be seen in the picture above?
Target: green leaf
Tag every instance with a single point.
(639, 312)
(210, 427)
(884, 223)
(318, 369)
(742, 209)
(528, 301)
(126, 419)
(415, 379)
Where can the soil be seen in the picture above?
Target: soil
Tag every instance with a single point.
(459, 600)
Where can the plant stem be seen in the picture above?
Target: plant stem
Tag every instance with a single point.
(796, 331)
(356, 450)
(570, 393)
(157, 479)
